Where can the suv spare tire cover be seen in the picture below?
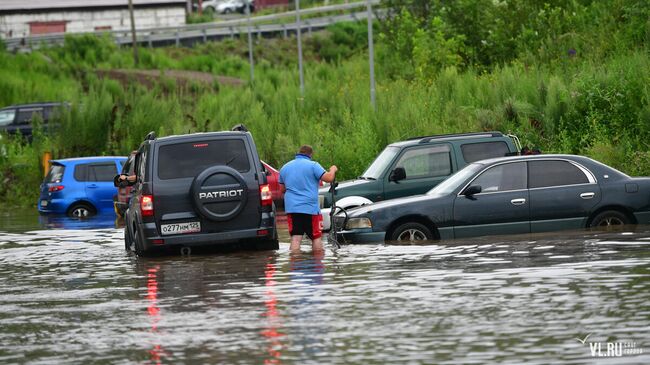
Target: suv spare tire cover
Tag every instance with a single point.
(219, 193)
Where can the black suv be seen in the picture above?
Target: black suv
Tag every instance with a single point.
(18, 118)
(200, 189)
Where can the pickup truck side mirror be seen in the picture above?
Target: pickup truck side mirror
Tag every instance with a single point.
(397, 174)
(474, 189)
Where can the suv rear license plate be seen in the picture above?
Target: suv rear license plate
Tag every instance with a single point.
(180, 228)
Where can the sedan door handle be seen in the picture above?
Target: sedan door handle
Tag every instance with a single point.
(519, 201)
(92, 186)
(587, 195)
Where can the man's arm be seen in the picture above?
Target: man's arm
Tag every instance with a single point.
(283, 189)
(330, 175)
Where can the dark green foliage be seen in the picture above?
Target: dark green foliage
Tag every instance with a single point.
(486, 33)
(565, 76)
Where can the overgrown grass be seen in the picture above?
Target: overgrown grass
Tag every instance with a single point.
(586, 106)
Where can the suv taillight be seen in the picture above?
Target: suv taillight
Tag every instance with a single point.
(265, 195)
(146, 205)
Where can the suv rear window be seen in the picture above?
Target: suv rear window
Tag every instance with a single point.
(473, 152)
(189, 159)
(55, 175)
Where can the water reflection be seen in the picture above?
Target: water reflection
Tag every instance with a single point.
(273, 319)
(56, 221)
(75, 296)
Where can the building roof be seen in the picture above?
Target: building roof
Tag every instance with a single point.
(17, 5)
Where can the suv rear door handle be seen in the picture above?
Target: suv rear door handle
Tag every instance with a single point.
(587, 195)
(519, 201)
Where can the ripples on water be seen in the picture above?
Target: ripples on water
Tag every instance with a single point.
(75, 296)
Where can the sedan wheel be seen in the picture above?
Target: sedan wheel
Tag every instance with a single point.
(609, 220)
(411, 232)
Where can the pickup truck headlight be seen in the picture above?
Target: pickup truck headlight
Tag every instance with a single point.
(356, 223)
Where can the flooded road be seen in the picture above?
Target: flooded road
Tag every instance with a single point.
(70, 294)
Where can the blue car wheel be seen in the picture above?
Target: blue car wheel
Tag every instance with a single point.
(81, 210)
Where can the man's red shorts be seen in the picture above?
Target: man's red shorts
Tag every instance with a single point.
(311, 225)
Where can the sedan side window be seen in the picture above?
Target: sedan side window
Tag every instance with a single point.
(547, 173)
(426, 162)
(504, 177)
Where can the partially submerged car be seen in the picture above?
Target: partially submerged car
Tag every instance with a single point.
(200, 189)
(510, 195)
(80, 187)
(415, 166)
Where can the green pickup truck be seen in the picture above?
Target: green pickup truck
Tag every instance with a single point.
(415, 166)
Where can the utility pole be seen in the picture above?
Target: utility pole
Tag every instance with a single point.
(298, 33)
(247, 4)
(371, 57)
(133, 36)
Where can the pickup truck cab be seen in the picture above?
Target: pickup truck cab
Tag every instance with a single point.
(415, 166)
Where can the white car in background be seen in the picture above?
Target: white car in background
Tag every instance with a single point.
(228, 6)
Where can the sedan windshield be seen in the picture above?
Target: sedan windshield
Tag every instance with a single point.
(454, 181)
(379, 165)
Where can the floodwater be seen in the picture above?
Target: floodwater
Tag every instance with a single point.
(70, 294)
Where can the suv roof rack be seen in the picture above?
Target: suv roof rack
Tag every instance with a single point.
(426, 139)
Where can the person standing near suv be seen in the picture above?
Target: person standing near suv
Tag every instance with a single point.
(299, 180)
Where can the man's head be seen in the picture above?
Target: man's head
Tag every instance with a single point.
(306, 150)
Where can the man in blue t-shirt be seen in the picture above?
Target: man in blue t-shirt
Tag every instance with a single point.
(299, 181)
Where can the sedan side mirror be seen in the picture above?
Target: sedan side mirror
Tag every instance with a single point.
(397, 174)
(474, 189)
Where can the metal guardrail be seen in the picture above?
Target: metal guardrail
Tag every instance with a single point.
(205, 31)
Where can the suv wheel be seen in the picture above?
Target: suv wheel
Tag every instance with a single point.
(139, 248)
(411, 232)
(128, 240)
(81, 210)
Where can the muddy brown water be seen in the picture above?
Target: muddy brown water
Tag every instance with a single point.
(70, 294)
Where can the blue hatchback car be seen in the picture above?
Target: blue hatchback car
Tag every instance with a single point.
(80, 187)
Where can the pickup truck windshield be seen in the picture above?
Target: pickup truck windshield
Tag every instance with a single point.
(379, 165)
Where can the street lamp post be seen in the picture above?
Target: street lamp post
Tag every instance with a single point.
(247, 4)
(298, 33)
(371, 57)
(134, 39)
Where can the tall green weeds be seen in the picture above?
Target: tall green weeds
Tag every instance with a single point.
(597, 105)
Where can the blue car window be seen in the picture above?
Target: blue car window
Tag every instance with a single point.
(504, 177)
(102, 172)
(81, 172)
(55, 175)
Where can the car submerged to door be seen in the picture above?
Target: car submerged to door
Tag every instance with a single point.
(80, 187)
(509, 195)
(200, 189)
